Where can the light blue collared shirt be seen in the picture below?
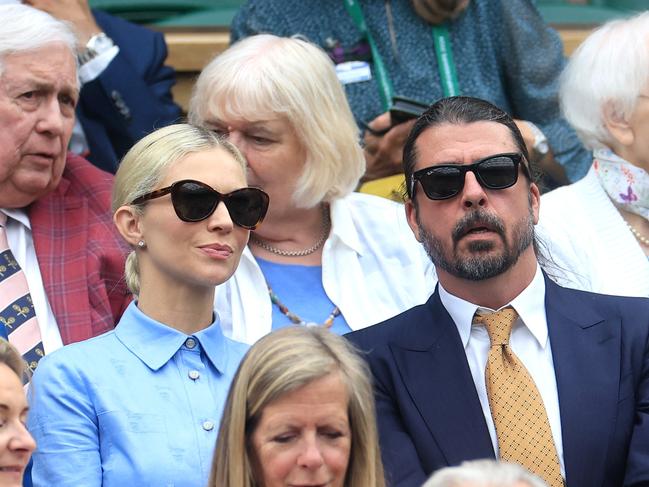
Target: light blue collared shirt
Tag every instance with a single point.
(139, 405)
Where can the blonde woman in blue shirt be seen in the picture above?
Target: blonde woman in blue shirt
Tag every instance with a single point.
(141, 405)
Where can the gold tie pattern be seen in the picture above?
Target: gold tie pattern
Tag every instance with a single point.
(522, 426)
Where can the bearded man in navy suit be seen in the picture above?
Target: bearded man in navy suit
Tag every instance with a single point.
(473, 205)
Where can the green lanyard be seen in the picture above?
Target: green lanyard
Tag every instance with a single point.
(443, 50)
(385, 85)
(445, 64)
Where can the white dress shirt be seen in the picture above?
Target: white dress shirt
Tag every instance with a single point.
(21, 243)
(529, 341)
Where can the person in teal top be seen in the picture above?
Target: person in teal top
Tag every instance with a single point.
(499, 50)
(141, 405)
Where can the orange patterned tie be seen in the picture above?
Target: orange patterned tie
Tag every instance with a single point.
(522, 426)
(16, 308)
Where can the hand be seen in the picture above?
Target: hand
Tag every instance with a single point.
(77, 12)
(383, 154)
(526, 132)
(547, 164)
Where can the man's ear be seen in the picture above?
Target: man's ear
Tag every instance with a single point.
(127, 221)
(621, 132)
(535, 202)
(411, 216)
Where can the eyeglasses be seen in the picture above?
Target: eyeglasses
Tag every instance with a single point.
(447, 180)
(194, 201)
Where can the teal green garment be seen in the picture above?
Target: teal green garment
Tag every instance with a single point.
(137, 406)
(503, 50)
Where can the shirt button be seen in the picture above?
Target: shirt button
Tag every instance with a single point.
(208, 425)
(194, 374)
(190, 343)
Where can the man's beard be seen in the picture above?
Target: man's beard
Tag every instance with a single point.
(482, 263)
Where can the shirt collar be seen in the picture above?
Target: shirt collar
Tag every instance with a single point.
(529, 304)
(155, 343)
(19, 215)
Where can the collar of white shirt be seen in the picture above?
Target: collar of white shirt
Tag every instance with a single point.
(529, 304)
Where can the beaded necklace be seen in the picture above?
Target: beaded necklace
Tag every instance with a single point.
(295, 319)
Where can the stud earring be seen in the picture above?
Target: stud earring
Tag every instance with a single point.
(141, 244)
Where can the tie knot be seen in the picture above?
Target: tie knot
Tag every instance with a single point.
(3, 219)
(498, 324)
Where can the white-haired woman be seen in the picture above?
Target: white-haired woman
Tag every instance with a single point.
(140, 405)
(325, 255)
(484, 473)
(597, 230)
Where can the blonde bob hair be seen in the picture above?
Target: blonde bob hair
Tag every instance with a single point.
(282, 362)
(146, 163)
(604, 77)
(12, 359)
(265, 77)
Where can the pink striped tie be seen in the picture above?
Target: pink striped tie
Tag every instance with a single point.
(16, 308)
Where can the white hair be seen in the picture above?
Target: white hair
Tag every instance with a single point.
(266, 76)
(607, 72)
(25, 28)
(484, 473)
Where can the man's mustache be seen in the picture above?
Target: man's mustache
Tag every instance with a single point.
(478, 218)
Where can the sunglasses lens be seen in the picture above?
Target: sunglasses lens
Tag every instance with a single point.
(247, 207)
(193, 201)
(498, 172)
(442, 182)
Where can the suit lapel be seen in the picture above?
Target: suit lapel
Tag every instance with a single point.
(586, 355)
(437, 375)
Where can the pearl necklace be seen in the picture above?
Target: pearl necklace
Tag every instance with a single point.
(326, 227)
(636, 234)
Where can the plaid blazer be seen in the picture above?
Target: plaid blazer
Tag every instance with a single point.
(80, 254)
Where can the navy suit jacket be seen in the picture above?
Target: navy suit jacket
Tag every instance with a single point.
(131, 97)
(429, 414)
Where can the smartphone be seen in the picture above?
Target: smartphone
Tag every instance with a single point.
(404, 109)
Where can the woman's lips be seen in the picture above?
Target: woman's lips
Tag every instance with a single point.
(217, 251)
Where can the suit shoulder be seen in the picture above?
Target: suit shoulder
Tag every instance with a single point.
(398, 328)
(634, 311)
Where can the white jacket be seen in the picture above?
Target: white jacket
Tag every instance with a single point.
(372, 269)
(589, 241)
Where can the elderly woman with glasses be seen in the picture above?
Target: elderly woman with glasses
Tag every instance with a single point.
(597, 230)
(141, 405)
(324, 256)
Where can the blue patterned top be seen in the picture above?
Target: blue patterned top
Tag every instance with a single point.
(139, 405)
(503, 50)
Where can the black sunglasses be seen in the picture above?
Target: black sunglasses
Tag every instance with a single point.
(194, 201)
(447, 180)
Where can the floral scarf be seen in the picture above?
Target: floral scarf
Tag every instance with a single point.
(626, 184)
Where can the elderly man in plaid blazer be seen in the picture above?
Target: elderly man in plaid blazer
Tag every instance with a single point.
(56, 206)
